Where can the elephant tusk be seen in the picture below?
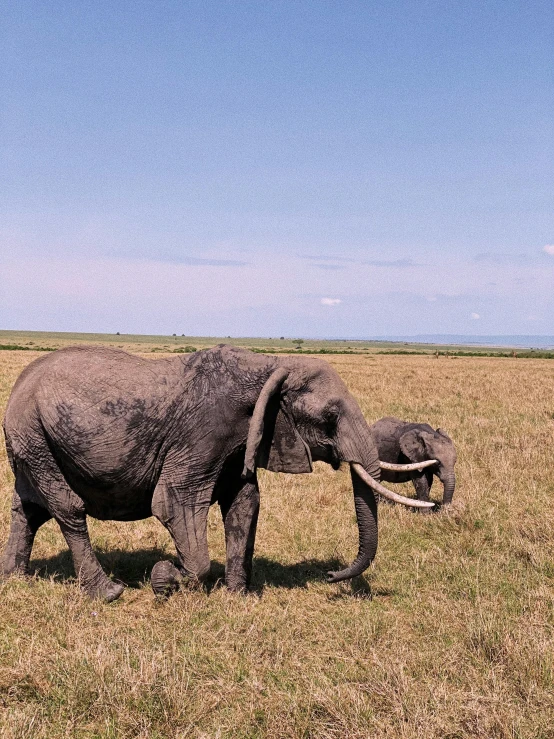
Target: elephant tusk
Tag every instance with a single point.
(382, 490)
(407, 467)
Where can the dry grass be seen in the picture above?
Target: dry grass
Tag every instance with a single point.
(449, 635)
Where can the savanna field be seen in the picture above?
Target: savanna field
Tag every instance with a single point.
(449, 634)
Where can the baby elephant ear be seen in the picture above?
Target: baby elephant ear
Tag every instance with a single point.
(273, 441)
(412, 446)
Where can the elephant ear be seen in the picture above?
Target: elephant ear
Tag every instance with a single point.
(413, 446)
(273, 441)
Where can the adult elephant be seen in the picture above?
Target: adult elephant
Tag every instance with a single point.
(415, 451)
(99, 432)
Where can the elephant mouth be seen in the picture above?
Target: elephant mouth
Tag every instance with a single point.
(334, 459)
(326, 453)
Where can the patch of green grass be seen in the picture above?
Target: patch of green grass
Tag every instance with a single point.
(18, 348)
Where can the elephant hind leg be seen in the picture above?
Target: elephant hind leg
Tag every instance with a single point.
(27, 517)
(69, 512)
(92, 577)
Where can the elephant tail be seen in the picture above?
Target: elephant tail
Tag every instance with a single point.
(9, 451)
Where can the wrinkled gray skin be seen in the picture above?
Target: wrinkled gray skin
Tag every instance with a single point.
(401, 442)
(98, 432)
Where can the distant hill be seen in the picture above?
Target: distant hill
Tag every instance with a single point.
(509, 340)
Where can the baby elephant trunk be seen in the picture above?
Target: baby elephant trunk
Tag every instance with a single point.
(449, 482)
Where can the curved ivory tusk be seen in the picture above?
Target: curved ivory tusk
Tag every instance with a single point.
(413, 503)
(407, 467)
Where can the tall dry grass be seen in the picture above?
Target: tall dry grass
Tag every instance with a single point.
(449, 634)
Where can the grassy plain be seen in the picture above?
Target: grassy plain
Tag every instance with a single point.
(29, 340)
(450, 634)
(144, 343)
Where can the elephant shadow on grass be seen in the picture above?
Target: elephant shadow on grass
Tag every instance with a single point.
(269, 573)
(130, 567)
(133, 569)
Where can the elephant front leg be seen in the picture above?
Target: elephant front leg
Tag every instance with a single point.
(240, 518)
(422, 488)
(187, 524)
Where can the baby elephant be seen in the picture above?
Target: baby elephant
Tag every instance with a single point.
(415, 451)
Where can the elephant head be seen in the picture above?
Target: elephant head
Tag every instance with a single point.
(305, 413)
(422, 445)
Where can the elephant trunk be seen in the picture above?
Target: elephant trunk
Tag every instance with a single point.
(366, 516)
(449, 482)
(358, 448)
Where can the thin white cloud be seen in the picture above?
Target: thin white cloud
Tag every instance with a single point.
(549, 249)
(502, 258)
(201, 262)
(474, 316)
(391, 263)
(331, 301)
(330, 266)
(328, 258)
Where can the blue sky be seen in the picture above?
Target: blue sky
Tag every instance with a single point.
(277, 168)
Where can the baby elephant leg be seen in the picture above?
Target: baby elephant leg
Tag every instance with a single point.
(422, 484)
(240, 518)
(27, 517)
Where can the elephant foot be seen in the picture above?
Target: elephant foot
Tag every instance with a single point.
(165, 578)
(107, 591)
(236, 585)
(6, 572)
(193, 580)
(425, 511)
